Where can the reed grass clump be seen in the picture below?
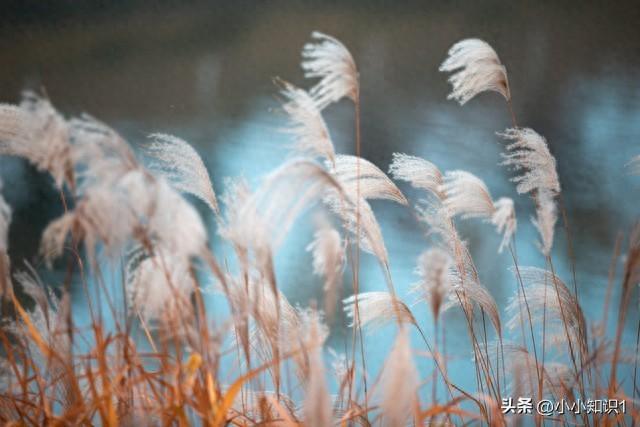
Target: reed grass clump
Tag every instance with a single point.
(151, 352)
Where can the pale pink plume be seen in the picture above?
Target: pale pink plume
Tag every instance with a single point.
(504, 218)
(548, 296)
(306, 125)
(329, 60)
(113, 214)
(373, 182)
(35, 131)
(468, 196)
(159, 285)
(182, 166)
(476, 68)
(377, 309)
(417, 171)
(529, 153)
(399, 383)
(318, 405)
(5, 220)
(361, 222)
(434, 269)
(545, 220)
(5, 269)
(328, 250)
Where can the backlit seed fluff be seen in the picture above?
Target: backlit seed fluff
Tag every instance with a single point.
(476, 68)
(504, 218)
(329, 60)
(306, 125)
(529, 153)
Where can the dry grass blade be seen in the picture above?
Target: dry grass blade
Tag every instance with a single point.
(476, 68)
(5, 221)
(330, 61)
(182, 166)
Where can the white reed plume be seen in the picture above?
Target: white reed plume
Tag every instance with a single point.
(476, 68)
(5, 221)
(419, 172)
(308, 128)
(370, 236)
(435, 287)
(100, 154)
(328, 250)
(329, 60)
(468, 196)
(159, 285)
(530, 154)
(377, 309)
(113, 214)
(504, 219)
(35, 131)
(373, 183)
(558, 378)
(318, 405)
(399, 382)
(468, 291)
(548, 296)
(545, 220)
(182, 166)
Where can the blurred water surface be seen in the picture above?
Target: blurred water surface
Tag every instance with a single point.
(204, 73)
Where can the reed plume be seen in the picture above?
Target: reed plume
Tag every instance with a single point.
(378, 309)
(467, 195)
(182, 166)
(476, 68)
(306, 125)
(329, 60)
(35, 131)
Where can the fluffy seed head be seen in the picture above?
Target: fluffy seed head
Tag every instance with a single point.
(329, 60)
(476, 68)
(182, 166)
(306, 125)
(530, 154)
(419, 172)
(377, 309)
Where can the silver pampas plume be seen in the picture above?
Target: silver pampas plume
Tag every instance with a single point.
(329, 60)
(420, 173)
(182, 166)
(467, 195)
(399, 382)
(476, 68)
(434, 269)
(306, 125)
(34, 130)
(328, 250)
(529, 153)
(377, 309)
